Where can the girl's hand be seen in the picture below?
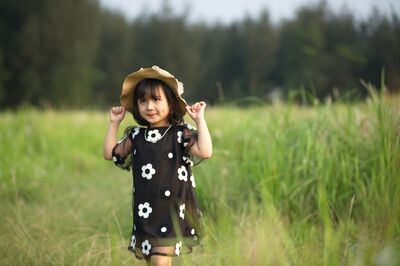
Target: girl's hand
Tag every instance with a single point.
(117, 114)
(196, 111)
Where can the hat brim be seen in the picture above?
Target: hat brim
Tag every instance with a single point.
(131, 81)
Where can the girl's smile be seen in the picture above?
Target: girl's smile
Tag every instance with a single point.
(154, 108)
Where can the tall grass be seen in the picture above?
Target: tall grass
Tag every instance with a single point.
(287, 185)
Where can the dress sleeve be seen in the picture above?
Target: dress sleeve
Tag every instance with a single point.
(122, 151)
(189, 136)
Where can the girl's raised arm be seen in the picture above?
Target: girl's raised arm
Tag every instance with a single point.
(117, 114)
(203, 147)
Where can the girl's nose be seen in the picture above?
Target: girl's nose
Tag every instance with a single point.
(149, 105)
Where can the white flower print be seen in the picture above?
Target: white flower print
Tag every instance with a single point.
(135, 132)
(193, 181)
(153, 135)
(182, 173)
(144, 210)
(193, 232)
(170, 155)
(163, 229)
(179, 136)
(182, 211)
(115, 159)
(191, 127)
(148, 171)
(146, 247)
(178, 248)
(187, 160)
(133, 241)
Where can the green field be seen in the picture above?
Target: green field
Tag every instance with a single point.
(287, 185)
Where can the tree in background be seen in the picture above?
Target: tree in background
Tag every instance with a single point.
(72, 52)
(47, 51)
(381, 36)
(113, 58)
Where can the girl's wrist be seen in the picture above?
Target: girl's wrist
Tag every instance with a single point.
(115, 123)
(200, 121)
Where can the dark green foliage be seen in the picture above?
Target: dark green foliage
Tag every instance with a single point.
(47, 51)
(74, 53)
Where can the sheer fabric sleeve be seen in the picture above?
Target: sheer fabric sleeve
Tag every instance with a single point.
(189, 136)
(122, 152)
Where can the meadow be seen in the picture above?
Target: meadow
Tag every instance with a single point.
(287, 185)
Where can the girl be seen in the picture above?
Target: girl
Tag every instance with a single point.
(166, 218)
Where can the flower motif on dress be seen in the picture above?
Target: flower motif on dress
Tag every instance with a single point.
(191, 127)
(153, 135)
(178, 248)
(148, 171)
(187, 160)
(117, 159)
(193, 181)
(135, 132)
(179, 136)
(144, 210)
(182, 173)
(146, 247)
(133, 241)
(182, 211)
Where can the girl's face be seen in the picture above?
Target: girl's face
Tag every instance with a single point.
(154, 108)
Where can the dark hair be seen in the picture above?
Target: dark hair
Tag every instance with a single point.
(150, 86)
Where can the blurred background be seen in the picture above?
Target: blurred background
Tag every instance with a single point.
(76, 53)
(288, 184)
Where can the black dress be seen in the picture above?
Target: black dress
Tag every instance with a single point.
(165, 210)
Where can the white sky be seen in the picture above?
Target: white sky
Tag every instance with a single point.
(227, 11)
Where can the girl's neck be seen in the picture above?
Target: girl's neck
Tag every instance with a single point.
(166, 124)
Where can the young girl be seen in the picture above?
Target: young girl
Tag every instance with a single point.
(166, 218)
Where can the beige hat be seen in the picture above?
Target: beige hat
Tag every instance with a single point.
(155, 72)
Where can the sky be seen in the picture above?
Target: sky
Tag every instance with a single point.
(227, 11)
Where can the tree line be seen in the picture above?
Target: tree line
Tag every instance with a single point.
(74, 53)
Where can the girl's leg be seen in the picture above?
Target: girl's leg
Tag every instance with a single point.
(159, 260)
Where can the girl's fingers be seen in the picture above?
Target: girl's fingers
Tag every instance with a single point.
(189, 109)
(196, 107)
(117, 109)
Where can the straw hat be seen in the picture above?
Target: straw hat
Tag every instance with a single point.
(155, 72)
